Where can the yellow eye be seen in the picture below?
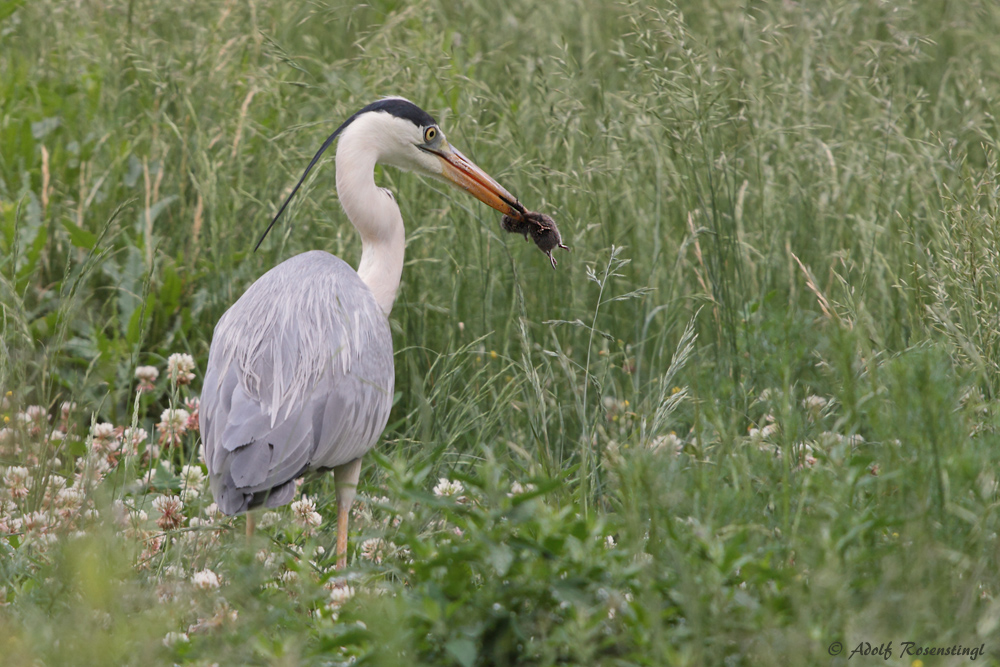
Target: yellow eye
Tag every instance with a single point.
(430, 134)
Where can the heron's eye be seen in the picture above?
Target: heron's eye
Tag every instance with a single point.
(430, 134)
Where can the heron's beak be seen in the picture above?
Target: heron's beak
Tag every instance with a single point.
(463, 173)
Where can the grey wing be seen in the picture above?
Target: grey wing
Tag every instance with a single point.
(299, 378)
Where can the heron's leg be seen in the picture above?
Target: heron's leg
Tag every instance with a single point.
(345, 478)
(251, 524)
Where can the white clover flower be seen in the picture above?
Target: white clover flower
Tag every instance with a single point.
(193, 477)
(35, 522)
(265, 558)
(517, 489)
(173, 425)
(171, 509)
(104, 431)
(56, 483)
(37, 413)
(70, 499)
(147, 376)
(100, 465)
(667, 443)
(126, 517)
(803, 453)
(104, 438)
(289, 577)
(180, 367)
(175, 417)
(376, 549)
(34, 418)
(205, 580)
(132, 438)
(339, 594)
(147, 478)
(66, 408)
(166, 503)
(814, 403)
(189, 495)
(212, 512)
(172, 639)
(269, 519)
(17, 479)
(609, 542)
(153, 546)
(193, 405)
(304, 513)
(446, 487)
(94, 466)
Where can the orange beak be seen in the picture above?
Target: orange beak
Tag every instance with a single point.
(462, 172)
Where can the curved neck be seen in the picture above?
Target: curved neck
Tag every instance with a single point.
(374, 213)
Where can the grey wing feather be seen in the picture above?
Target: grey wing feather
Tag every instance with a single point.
(300, 377)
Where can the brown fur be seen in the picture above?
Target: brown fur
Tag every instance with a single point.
(540, 227)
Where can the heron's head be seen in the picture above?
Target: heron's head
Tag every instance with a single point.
(396, 132)
(407, 137)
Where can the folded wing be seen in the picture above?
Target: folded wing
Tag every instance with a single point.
(300, 377)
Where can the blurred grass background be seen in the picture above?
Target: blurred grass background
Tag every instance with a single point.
(812, 188)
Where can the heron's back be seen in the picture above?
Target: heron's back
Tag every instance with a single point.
(300, 377)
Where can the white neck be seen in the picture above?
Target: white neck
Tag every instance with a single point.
(373, 211)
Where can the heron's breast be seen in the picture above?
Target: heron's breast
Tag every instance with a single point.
(309, 319)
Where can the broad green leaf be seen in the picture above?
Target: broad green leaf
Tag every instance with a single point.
(80, 237)
(463, 650)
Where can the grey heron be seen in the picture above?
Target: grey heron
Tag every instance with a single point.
(300, 370)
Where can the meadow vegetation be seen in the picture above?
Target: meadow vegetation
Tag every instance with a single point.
(751, 414)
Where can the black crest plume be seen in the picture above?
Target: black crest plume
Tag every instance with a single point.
(393, 106)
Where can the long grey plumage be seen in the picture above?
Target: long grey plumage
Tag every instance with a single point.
(300, 377)
(300, 373)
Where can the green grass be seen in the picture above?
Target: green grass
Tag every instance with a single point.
(768, 204)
